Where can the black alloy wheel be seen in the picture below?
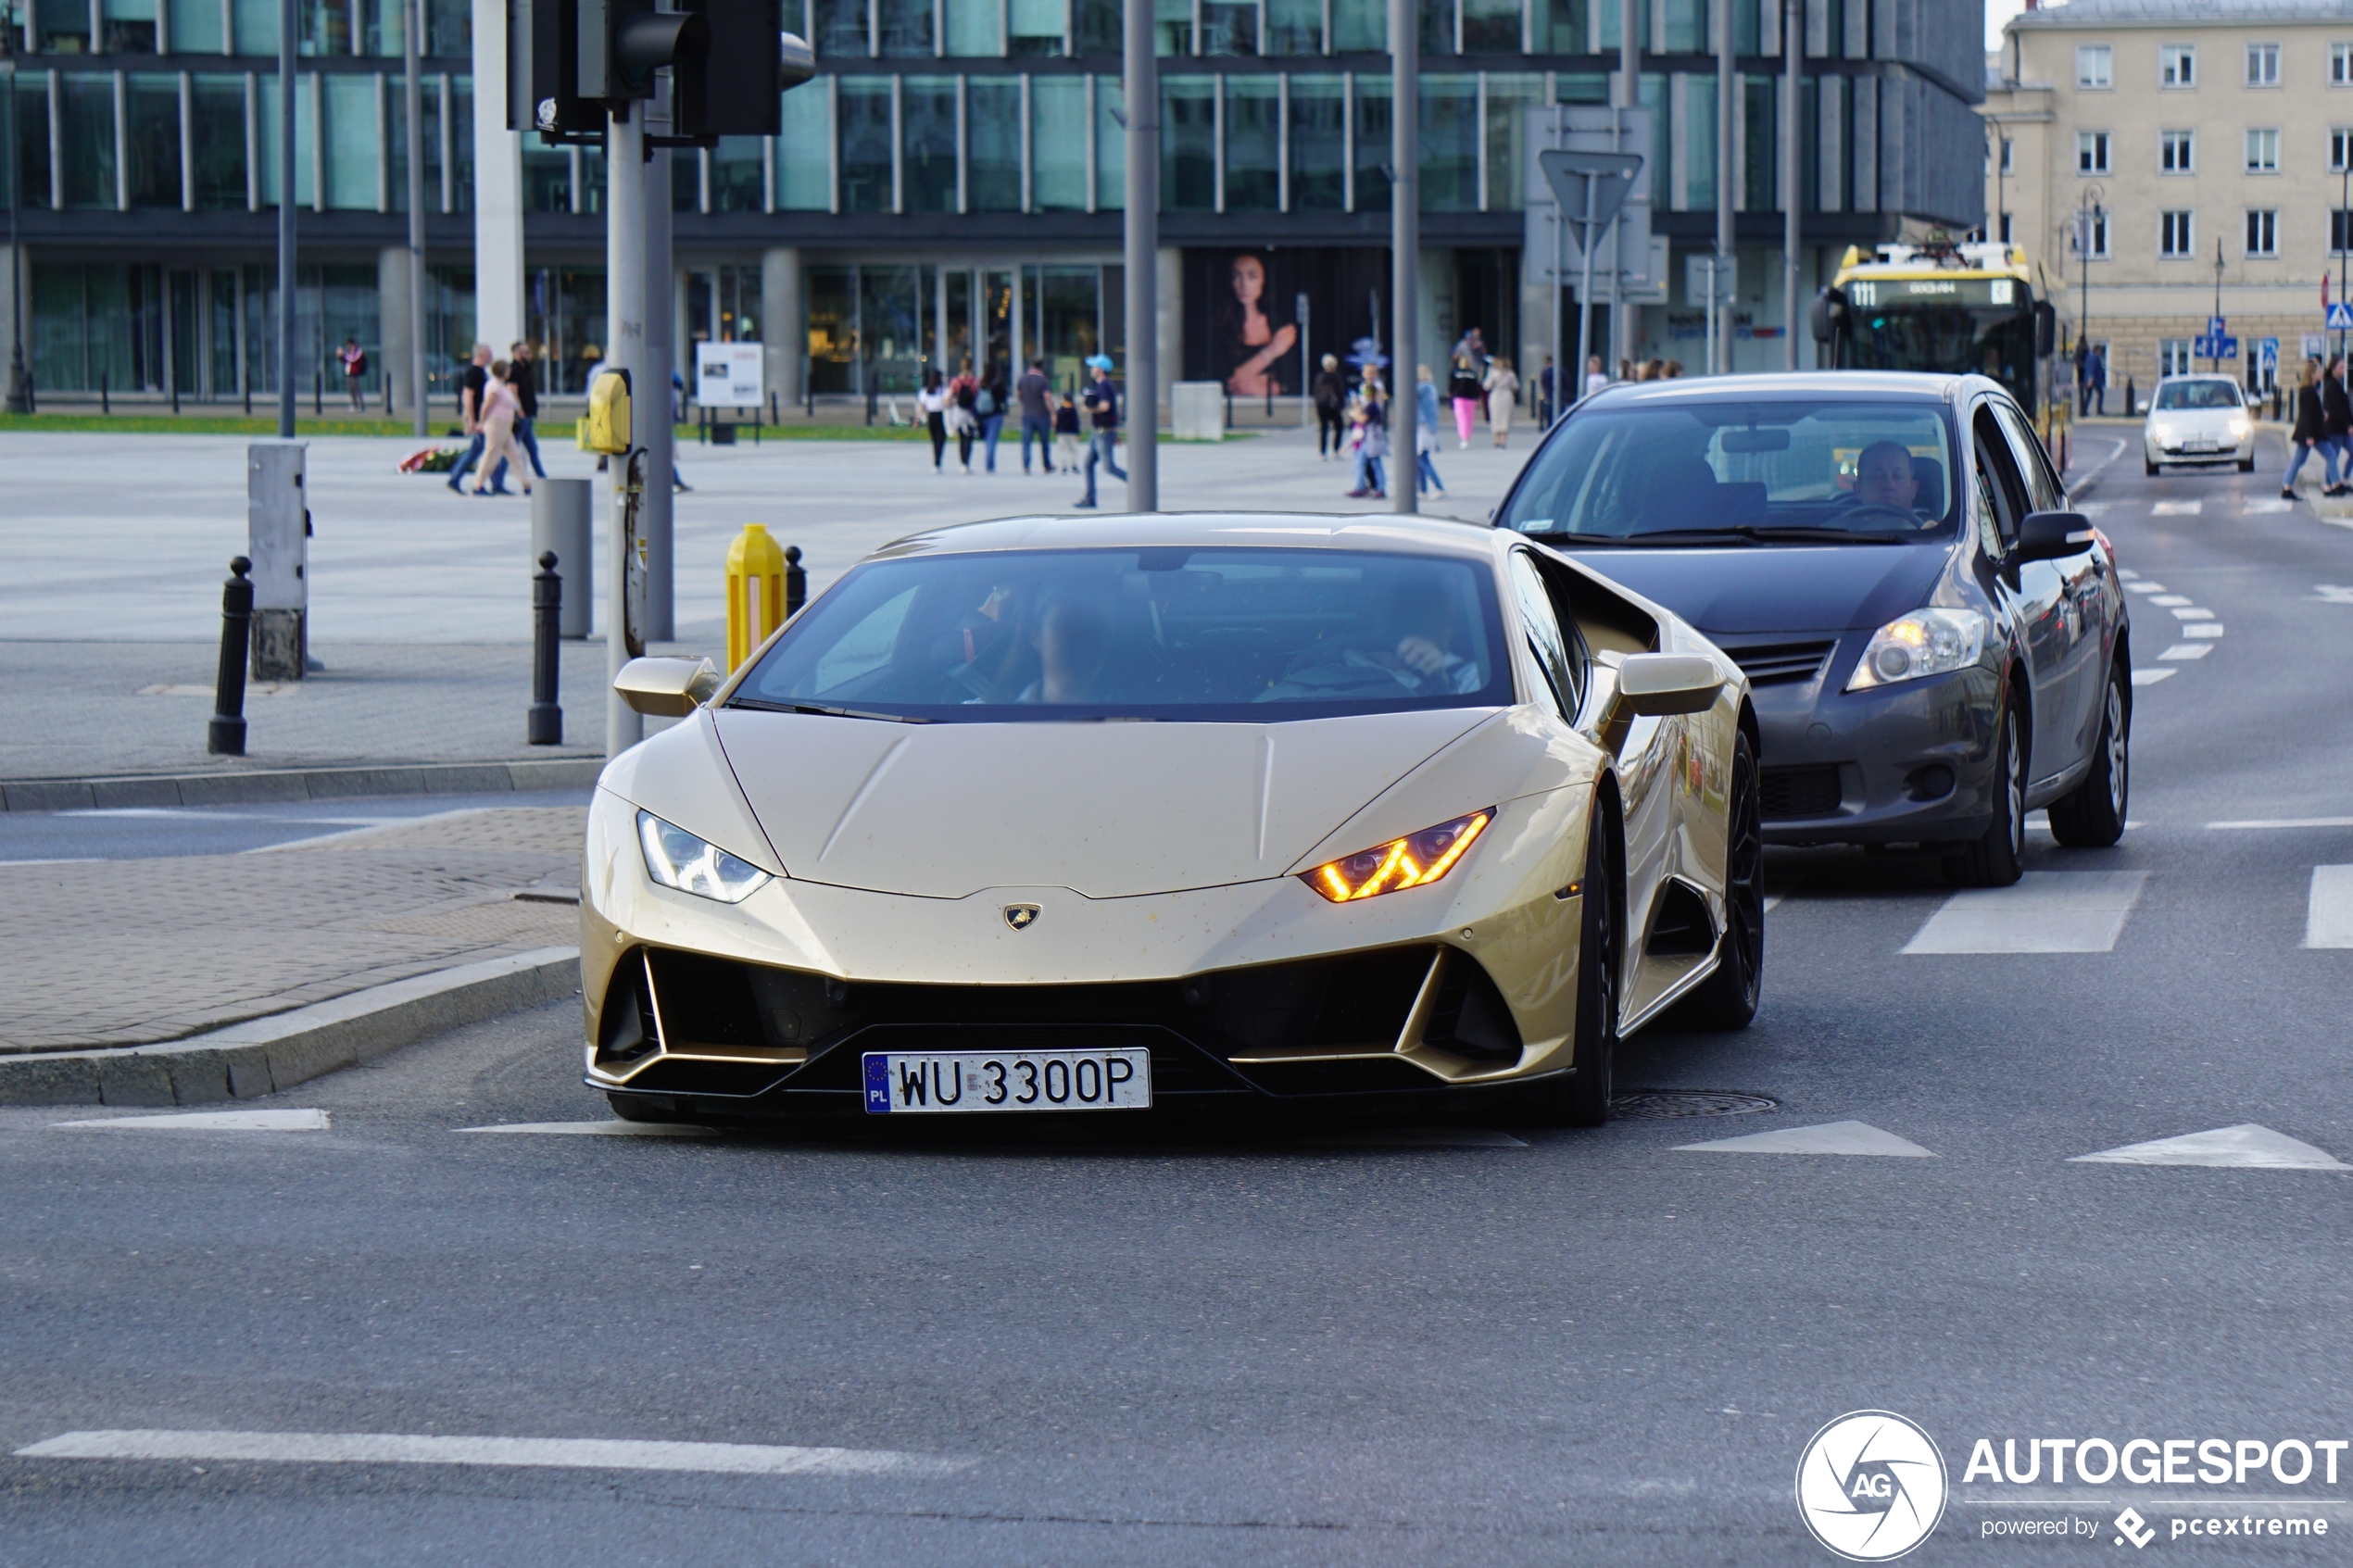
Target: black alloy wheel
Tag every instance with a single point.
(1998, 858)
(1582, 1100)
(2091, 816)
(1728, 998)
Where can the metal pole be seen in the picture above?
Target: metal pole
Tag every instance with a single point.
(625, 307)
(1584, 312)
(1792, 43)
(1634, 19)
(656, 433)
(289, 26)
(1560, 383)
(1140, 70)
(1720, 362)
(413, 90)
(20, 386)
(2343, 241)
(1404, 250)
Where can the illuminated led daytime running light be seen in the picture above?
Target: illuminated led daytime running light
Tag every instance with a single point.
(1415, 861)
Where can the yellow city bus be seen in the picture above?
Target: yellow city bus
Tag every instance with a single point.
(1954, 308)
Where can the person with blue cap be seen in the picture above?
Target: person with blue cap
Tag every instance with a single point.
(1103, 413)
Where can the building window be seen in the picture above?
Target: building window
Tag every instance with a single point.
(1036, 27)
(2174, 357)
(993, 144)
(2263, 230)
(2099, 235)
(2177, 152)
(152, 134)
(927, 144)
(2008, 166)
(1318, 145)
(1371, 112)
(1450, 143)
(2092, 62)
(2174, 235)
(2340, 147)
(2262, 65)
(1189, 144)
(1057, 143)
(804, 161)
(861, 127)
(2177, 65)
(217, 112)
(2340, 228)
(2341, 65)
(2005, 229)
(2262, 152)
(1294, 27)
(1254, 143)
(841, 28)
(2091, 152)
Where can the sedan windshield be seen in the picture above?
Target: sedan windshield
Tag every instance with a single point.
(1734, 472)
(2199, 395)
(1248, 635)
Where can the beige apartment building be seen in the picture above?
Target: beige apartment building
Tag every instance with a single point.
(2193, 131)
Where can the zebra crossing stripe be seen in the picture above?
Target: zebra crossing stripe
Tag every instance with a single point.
(2045, 912)
(2328, 921)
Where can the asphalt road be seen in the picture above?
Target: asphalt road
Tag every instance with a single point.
(156, 832)
(1573, 1347)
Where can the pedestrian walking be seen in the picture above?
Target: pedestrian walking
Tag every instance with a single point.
(1331, 408)
(1103, 414)
(988, 403)
(1037, 395)
(474, 389)
(354, 360)
(932, 403)
(964, 393)
(1503, 397)
(1368, 413)
(2309, 435)
(1547, 380)
(2099, 383)
(1426, 480)
(1596, 379)
(1067, 442)
(2336, 422)
(523, 376)
(1462, 389)
(500, 410)
(677, 418)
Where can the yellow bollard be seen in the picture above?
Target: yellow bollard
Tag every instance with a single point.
(755, 592)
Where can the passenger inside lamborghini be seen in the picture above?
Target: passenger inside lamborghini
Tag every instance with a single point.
(1214, 635)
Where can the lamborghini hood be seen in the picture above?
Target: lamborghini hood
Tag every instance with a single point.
(1106, 810)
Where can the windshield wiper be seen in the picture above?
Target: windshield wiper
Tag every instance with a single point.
(1812, 535)
(758, 706)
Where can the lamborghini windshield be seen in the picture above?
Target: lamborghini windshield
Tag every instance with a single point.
(1735, 471)
(1202, 634)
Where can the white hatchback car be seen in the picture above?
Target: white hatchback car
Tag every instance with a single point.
(2199, 420)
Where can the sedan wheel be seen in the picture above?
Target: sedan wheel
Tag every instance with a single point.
(1728, 998)
(1998, 858)
(2091, 816)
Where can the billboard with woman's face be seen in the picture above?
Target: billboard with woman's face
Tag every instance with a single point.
(1242, 325)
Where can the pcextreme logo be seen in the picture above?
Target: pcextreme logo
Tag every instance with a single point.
(1870, 1486)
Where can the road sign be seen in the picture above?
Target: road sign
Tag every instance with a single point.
(2215, 347)
(2266, 356)
(1700, 266)
(2216, 326)
(1591, 187)
(2340, 317)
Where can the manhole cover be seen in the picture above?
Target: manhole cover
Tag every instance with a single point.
(1659, 1105)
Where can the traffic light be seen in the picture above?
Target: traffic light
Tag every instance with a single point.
(570, 62)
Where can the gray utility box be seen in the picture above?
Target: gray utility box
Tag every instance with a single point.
(1197, 407)
(278, 529)
(561, 513)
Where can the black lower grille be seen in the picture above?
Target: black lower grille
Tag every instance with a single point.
(1784, 792)
(1780, 664)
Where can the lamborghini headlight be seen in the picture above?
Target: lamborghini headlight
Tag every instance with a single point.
(677, 859)
(1927, 641)
(1414, 860)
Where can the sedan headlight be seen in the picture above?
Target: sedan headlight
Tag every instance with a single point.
(677, 859)
(1927, 641)
(2240, 426)
(1415, 861)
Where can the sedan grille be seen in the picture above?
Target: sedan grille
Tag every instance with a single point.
(1779, 664)
(1785, 792)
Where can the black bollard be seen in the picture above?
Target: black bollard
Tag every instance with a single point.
(796, 581)
(546, 724)
(105, 406)
(226, 737)
(248, 392)
(318, 394)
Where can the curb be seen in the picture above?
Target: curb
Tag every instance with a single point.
(278, 786)
(263, 1055)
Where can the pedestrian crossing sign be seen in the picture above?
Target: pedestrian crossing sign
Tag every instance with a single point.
(2340, 317)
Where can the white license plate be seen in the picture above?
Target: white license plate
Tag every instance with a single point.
(899, 1082)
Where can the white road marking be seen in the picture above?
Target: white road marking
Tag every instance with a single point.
(2248, 1146)
(2193, 615)
(2276, 504)
(602, 1129)
(1830, 1138)
(214, 1122)
(2329, 918)
(2145, 587)
(2177, 509)
(565, 1453)
(2281, 822)
(2172, 599)
(386, 825)
(2187, 650)
(2151, 677)
(2093, 509)
(2336, 521)
(1424, 1137)
(2126, 572)
(2203, 628)
(2329, 592)
(57, 861)
(2045, 912)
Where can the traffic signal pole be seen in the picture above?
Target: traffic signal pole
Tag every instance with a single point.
(625, 310)
(656, 433)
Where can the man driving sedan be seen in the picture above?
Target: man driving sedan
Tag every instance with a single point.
(1884, 477)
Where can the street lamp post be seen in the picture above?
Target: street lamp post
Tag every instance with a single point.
(20, 388)
(2343, 222)
(2213, 340)
(2089, 215)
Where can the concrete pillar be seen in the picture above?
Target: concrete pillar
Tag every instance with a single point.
(784, 329)
(498, 296)
(1168, 336)
(15, 300)
(392, 314)
(1537, 300)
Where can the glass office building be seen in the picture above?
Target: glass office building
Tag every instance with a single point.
(949, 186)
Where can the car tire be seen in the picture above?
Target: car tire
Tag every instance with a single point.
(2091, 816)
(2148, 466)
(1997, 858)
(1580, 1096)
(1727, 999)
(2246, 464)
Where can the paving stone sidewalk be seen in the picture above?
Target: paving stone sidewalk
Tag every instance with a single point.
(135, 952)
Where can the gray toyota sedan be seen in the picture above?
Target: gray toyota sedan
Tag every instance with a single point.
(1936, 643)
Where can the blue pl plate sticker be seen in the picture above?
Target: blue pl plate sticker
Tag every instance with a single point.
(877, 1082)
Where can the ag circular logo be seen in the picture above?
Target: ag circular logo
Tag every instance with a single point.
(1870, 1486)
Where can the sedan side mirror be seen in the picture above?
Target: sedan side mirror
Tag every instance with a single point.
(667, 688)
(1655, 685)
(2054, 535)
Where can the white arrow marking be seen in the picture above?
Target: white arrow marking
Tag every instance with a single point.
(2329, 592)
(2248, 1146)
(1831, 1137)
(214, 1122)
